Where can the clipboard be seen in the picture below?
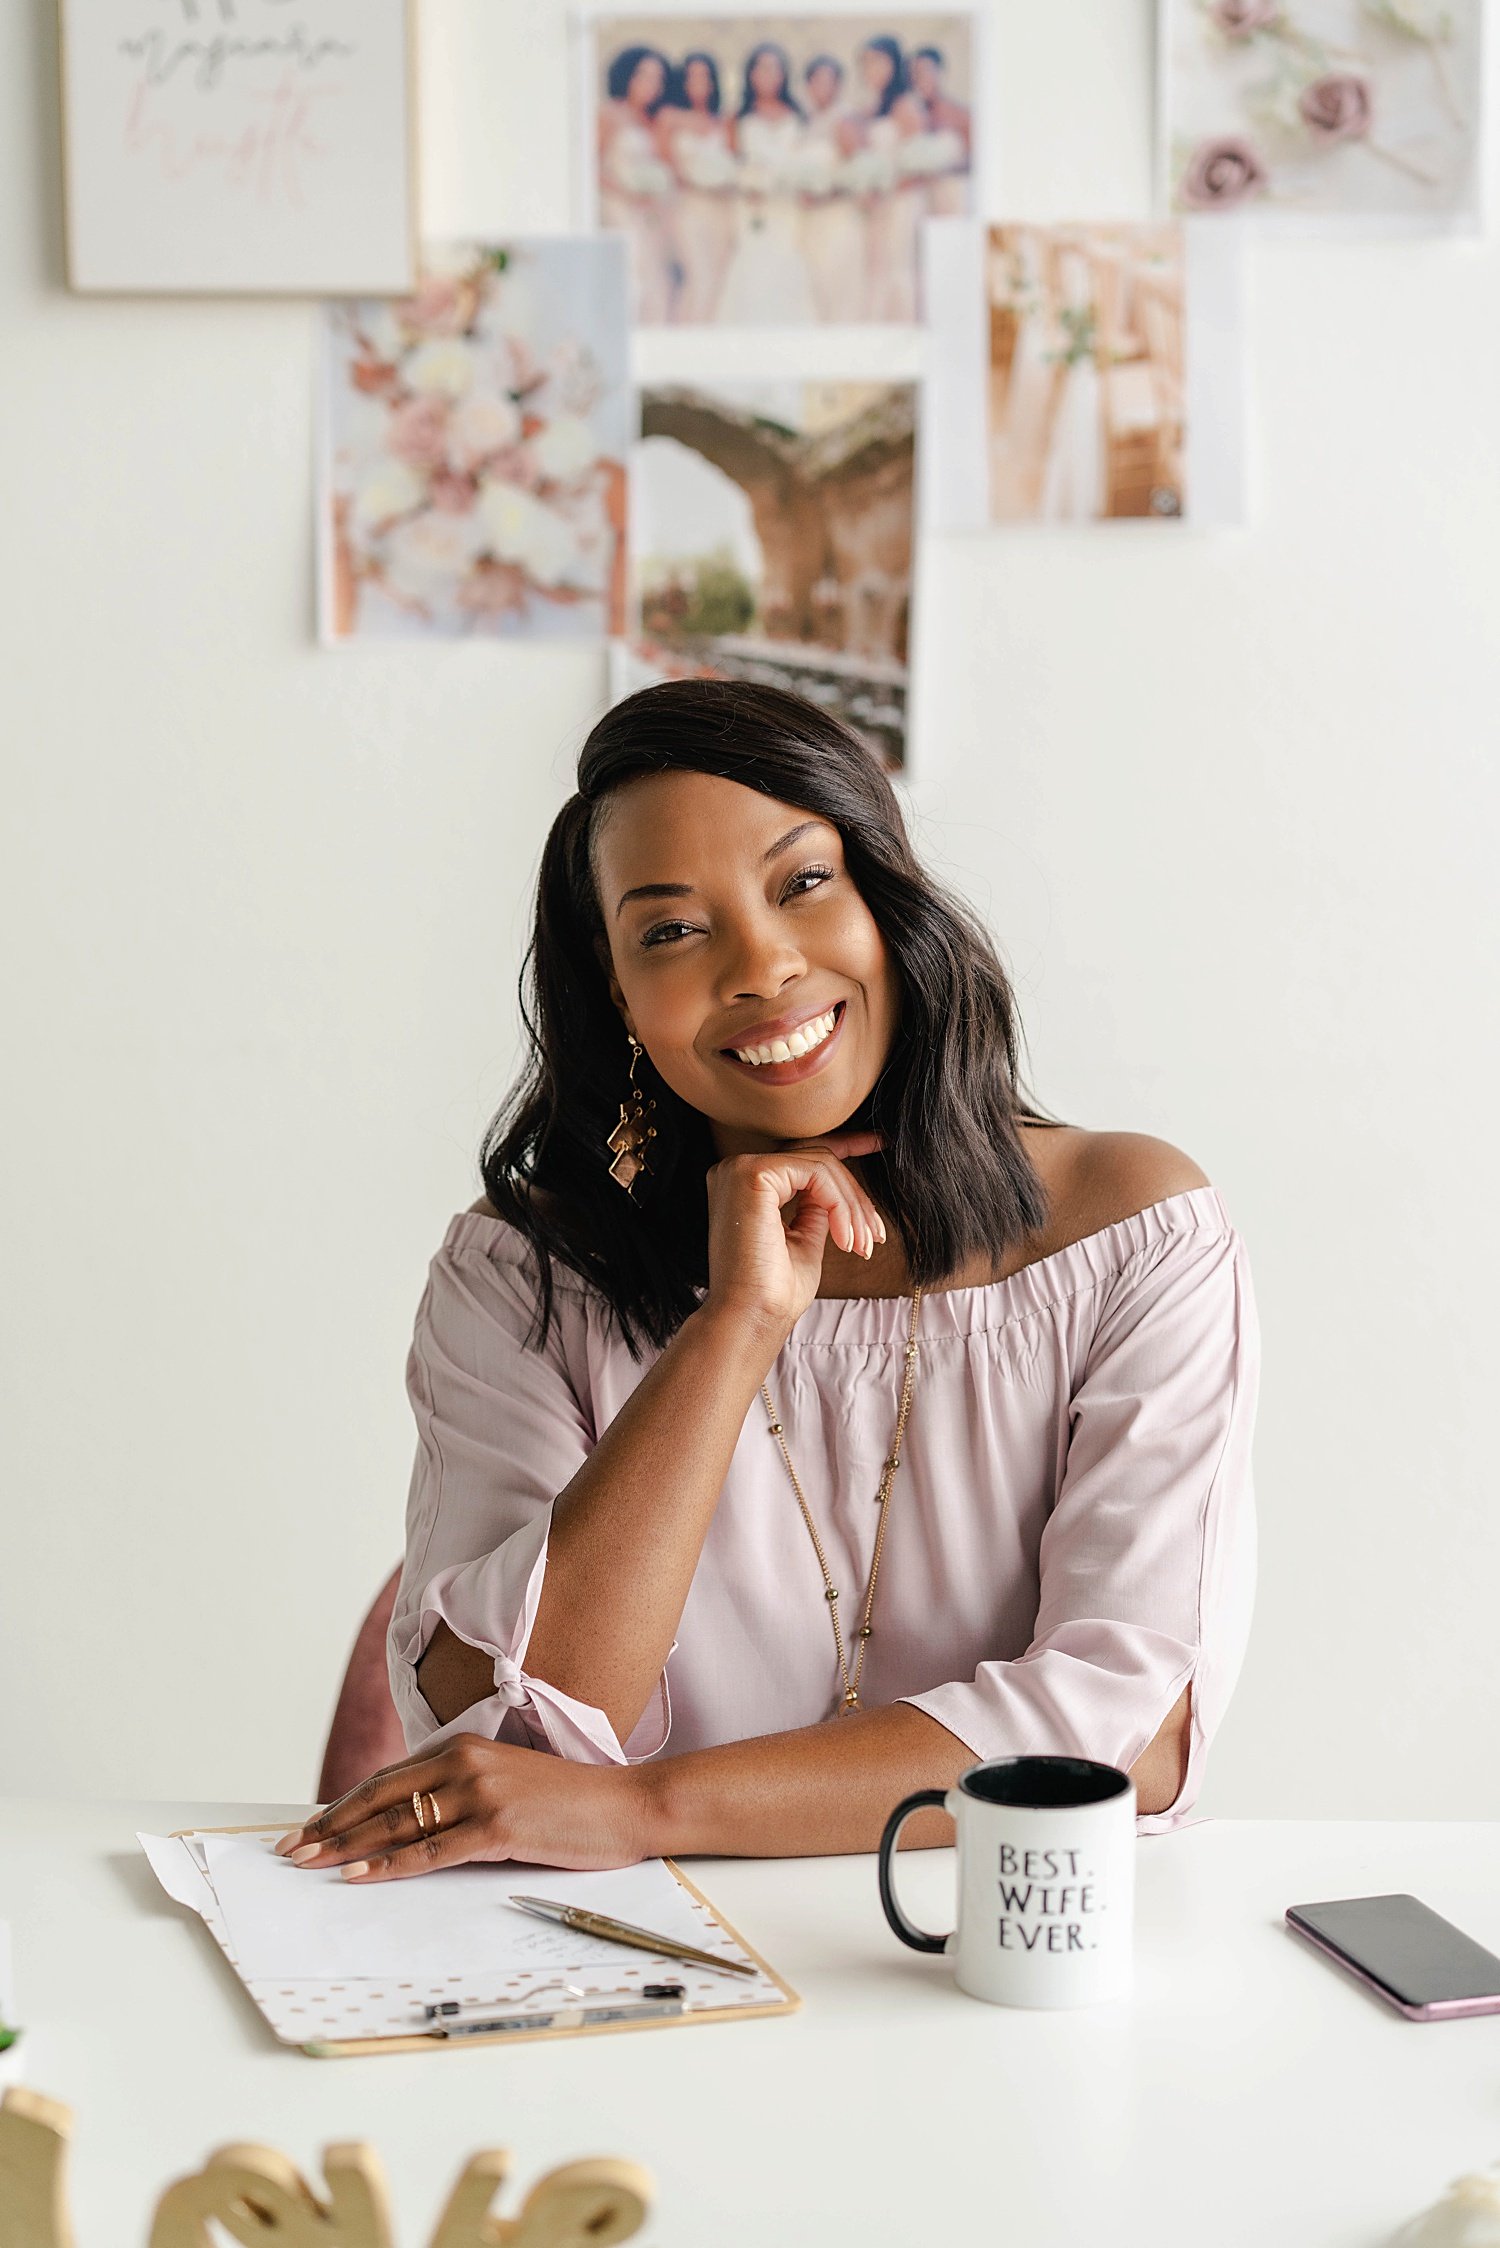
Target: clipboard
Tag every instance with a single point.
(336, 2021)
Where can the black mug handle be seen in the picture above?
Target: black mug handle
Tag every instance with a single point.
(918, 1938)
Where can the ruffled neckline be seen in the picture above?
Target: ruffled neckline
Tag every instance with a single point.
(838, 1322)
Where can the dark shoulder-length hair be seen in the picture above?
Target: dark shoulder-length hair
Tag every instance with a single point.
(899, 81)
(748, 96)
(952, 1172)
(624, 67)
(678, 97)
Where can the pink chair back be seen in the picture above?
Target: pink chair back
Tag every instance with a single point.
(366, 1733)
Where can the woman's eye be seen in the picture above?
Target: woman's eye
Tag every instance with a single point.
(811, 874)
(665, 932)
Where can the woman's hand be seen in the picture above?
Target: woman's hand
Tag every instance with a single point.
(493, 1802)
(772, 1214)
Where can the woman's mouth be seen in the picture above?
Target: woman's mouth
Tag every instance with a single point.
(786, 1061)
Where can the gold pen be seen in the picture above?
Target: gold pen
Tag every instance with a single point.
(622, 1932)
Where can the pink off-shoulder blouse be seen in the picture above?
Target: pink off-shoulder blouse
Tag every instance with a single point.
(1071, 1536)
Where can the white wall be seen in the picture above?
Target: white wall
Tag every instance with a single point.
(1229, 804)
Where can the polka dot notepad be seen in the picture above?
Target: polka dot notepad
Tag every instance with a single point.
(385, 2012)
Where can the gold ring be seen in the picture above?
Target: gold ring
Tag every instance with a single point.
(416, 1804)
(437, 1816)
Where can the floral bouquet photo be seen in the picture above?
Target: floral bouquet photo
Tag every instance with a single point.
(475, 438)
(1361, 113)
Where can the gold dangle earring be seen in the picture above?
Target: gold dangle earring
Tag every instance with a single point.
(627, 1142)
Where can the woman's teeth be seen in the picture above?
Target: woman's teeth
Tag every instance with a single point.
(802, 1041)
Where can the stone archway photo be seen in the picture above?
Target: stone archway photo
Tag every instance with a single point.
(774, 542)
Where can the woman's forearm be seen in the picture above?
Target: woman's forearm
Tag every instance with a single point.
(819, 1792)
(627, 1532)
(830, 1788)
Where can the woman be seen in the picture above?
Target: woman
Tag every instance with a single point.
(890, 117)
(695, 140)
(634, 182)
(1075, 475)
(768, 278)
(833, 244)
(943, 152)
(642, 1536)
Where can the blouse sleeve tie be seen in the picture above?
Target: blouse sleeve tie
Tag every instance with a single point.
(471, 1598)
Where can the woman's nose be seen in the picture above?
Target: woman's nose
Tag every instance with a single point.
(760, 964)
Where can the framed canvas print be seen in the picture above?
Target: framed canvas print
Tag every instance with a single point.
(474, 444)
(1329, 117)
(775, 170)
(247, 147)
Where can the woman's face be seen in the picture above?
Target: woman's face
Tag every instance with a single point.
(926, 77)
(646, 82)
(761, 937)
(876, 68)
(765, 76)
(698, 84)
(823, 86)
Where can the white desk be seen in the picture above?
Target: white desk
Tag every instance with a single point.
(1248, 2093)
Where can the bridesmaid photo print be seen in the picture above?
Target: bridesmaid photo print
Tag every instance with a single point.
(475, 434)
(775, 170)
(771, 533)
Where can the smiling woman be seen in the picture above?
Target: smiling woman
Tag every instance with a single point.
(875, 1394)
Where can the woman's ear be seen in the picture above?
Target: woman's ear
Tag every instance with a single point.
(601, 949)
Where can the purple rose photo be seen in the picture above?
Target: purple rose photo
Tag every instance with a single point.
(1323, 116)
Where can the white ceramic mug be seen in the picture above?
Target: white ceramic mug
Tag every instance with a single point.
(1046, 1880)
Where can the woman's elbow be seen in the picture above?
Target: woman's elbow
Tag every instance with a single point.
(1161, 1769)
(451, 1675)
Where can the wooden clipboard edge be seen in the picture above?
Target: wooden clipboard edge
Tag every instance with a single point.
(793, 2001)
(259, 1826)
(354, 2048)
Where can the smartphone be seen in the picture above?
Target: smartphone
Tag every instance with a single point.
(1406, 1953)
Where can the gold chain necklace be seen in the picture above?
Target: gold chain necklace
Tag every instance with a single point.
(865, 1632)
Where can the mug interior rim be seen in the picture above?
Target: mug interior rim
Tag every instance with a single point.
(1097, 1783)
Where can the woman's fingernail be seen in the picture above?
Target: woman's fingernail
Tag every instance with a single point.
(286, 1842)
(308, 1850)
(352, 1873)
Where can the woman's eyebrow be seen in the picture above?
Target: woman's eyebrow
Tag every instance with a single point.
(685, 889)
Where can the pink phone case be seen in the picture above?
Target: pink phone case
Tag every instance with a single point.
(1436, 2009)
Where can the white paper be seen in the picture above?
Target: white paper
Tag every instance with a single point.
(954, 442)
(1217, 404)
(172, 1862)
(10, 2061)
(238, 147)
(310, 2010)
(285, 1921)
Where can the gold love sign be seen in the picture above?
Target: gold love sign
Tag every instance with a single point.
(258, 2197)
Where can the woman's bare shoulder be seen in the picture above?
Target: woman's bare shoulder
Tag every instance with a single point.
(484, 1208)
(1098, 1179)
